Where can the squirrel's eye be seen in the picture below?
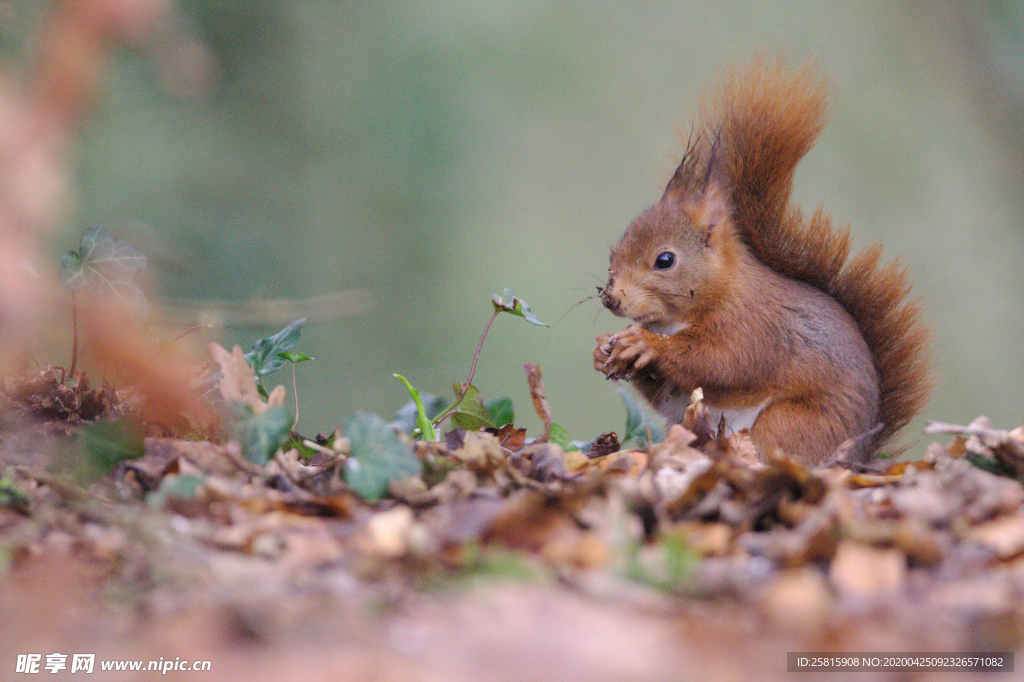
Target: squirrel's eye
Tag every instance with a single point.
(665, 260)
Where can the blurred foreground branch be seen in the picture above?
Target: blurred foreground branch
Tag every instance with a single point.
(334, 305)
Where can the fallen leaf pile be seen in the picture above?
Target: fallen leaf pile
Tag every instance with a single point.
(371, 515)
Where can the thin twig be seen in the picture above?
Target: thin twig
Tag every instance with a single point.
(479, 347)
(74, 335)
(190, 330)
(295, 392)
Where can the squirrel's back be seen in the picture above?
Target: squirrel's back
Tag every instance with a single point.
(749, 139)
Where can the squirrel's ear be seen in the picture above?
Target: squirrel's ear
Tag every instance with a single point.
(709, 211)
(713, 208)
(677, 189)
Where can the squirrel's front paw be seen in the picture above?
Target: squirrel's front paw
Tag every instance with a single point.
(620, 355)
(601, 353)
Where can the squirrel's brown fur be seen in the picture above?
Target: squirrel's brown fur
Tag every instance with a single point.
(728, 313)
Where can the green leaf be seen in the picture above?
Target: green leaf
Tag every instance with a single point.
(639, 419)
(469, 411)
(71, 275)
(264, 358)
(501, 411)
(107, 443)
(11, 496)
(422, 418)
(985, 463)
(181, 486)
(106, 267)
(298, 443)
(559, 436)
(516, 306)
(405, 416)
(378, 456)
(293, 357)
(262, 435)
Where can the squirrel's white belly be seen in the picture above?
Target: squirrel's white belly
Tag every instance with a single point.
(673, 407)
(736, 419)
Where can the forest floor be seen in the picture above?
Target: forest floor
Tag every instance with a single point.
(504, 558)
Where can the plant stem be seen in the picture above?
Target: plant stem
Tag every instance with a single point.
(295, 392)
(464, 386)
(479, 347)
(188, 331)
(74, 335)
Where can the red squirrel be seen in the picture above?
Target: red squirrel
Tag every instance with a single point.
(733, 290)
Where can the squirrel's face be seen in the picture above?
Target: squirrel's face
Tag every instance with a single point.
(667, 268)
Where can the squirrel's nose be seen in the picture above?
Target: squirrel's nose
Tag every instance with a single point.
(608, 299)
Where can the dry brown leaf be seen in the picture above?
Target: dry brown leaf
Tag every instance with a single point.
(698, 485)
(867, 572)
(741, 448)
(706, 539)
(386, 534)
(1004, 535)
(798, 599)
(547, 463)
(814, 540)
(44, 394)
(900, 468)
(605, 444)
(208, 458)
(984, 593)
(628, 463)
(480, 452)
(1006, 447)
(676, 449)
(540, 403)
(511, 438)
(569, 546)
(529, 520)
(238, 381)
(922, 544)
(697, 418)
(927, 498)
(576, 462)
(872, 480)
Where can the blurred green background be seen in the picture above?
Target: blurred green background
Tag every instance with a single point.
(432, 153)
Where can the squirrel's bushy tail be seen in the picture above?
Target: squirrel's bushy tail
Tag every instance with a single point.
(752, 134)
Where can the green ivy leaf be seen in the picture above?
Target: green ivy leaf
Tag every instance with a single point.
(264, 358)
(987, 464)
(108, 443)
(639, 420)
(469, 411)
(559, 436)
(501, 411)
(378, 456)
(293, 357)
(406, 415)
(106, 267)
(180, 486)
(508, 303)
(262, 435)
